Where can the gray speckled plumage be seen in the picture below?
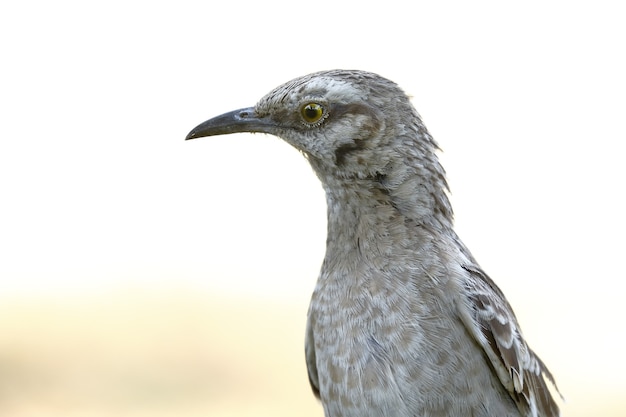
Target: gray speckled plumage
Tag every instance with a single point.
(403, 322)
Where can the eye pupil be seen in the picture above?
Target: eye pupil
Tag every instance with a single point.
(312, 112)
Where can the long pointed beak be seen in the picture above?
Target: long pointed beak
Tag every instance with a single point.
(242, 120)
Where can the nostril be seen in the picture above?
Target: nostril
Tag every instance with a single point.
(244, 114)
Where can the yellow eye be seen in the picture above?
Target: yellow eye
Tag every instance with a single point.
(312, 112)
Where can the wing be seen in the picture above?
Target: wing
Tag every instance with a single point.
(311, 364)
(495, 327)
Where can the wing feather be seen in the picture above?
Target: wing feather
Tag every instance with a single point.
(311, 361)
(495, 327)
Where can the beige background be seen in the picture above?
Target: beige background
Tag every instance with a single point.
(141, 275)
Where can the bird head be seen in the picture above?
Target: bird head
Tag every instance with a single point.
(336, 118)
(354, 127)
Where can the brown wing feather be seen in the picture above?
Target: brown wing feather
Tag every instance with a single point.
(495, 327)
(309, 353)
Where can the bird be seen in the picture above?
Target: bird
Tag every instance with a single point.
(403, 322)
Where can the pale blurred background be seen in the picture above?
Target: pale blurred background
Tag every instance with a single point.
(141, 275)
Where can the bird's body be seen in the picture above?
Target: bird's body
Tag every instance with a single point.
(402, 322)
(385, 338)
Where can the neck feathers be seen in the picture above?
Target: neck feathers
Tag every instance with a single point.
(405, 176)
